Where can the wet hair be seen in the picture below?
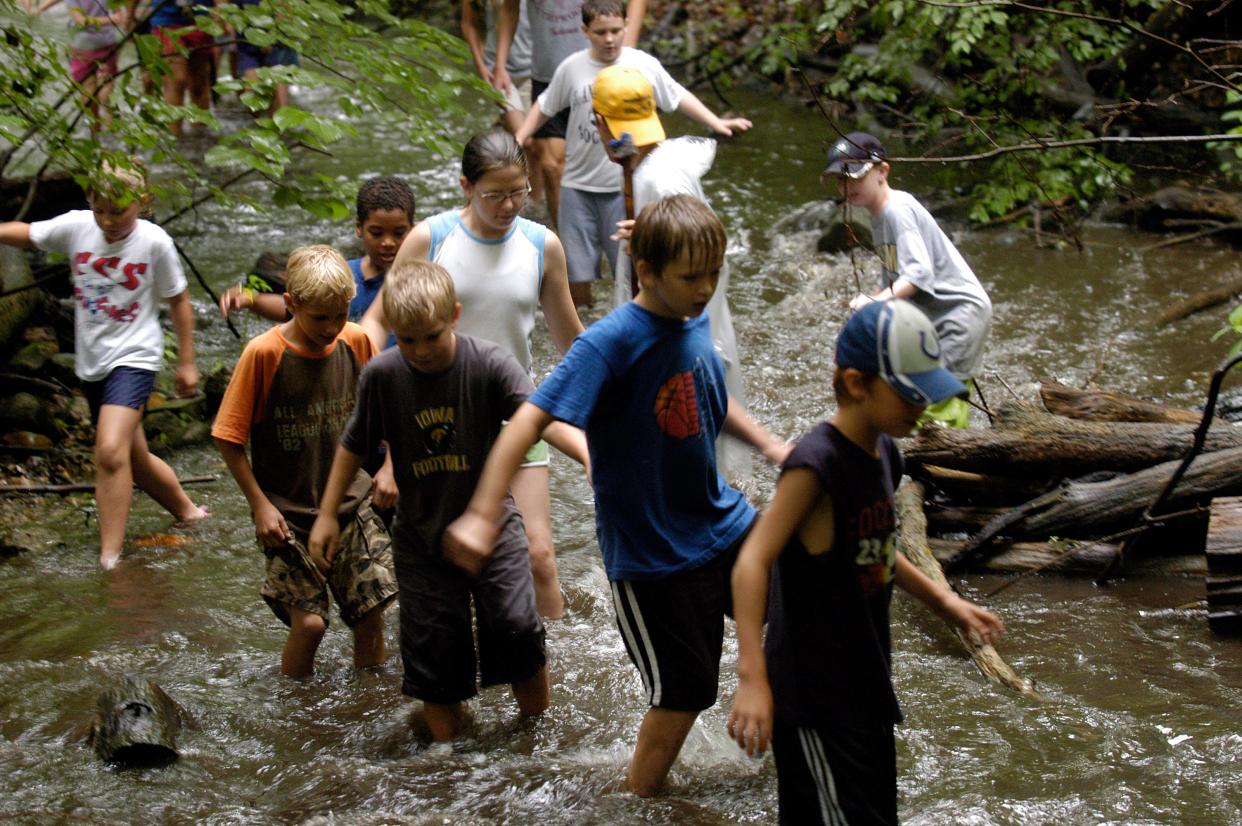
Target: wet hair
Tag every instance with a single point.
(417, 292)
(317, 275)
(592, 9)
(680, 222)
(384, 192)
(493, 149)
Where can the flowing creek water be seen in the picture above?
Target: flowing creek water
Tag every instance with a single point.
(1141, 723)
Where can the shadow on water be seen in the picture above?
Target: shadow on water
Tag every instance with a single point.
(1141, 725)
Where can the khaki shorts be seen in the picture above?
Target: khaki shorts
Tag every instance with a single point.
(361, 578)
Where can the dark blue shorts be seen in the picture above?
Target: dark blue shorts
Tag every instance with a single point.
(124, 386)
(558, 123)
(255, 57)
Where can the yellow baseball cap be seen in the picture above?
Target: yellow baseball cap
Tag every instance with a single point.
(622, 95)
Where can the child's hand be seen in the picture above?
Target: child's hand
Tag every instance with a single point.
(750, 719)
(625, 229)
(235, 298)
(322, 545)
(384, 487)
(980, 625)
(777, 452)
(187, 378)
(468, 542)
(731, 125)
(861, 300)
(270, 527)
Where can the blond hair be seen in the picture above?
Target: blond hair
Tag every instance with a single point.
(120, 182)
(318, 274)
(673, 224)
(416, 292)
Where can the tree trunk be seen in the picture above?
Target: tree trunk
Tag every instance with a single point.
(136, 723)
(1105, 406)
(1083, 557)
(1023, 441)
(1094, 508)
(913, 539)
(962, 485)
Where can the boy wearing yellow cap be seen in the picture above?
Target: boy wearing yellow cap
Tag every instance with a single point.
(624, 102)
(591, 201)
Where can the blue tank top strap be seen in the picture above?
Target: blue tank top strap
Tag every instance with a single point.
(538, 235)
(441, 225)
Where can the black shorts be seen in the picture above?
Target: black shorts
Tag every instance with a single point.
(437, 641)
(558, 124)
(833, 775)
(673, 629)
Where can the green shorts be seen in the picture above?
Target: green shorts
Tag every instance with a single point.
(952, 412)
(361, 578)
(537, 456)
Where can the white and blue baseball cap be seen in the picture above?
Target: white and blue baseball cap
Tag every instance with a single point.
(895, 340)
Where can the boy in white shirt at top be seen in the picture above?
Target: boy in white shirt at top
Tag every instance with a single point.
(591, 201)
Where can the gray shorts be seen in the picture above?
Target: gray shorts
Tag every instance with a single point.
(585, 222)
(437, 640)
(361, 578)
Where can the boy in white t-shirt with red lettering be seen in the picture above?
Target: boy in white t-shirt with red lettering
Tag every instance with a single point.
(122, 266)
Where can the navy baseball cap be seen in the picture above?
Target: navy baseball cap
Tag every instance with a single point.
(854, 155)
(895, 340)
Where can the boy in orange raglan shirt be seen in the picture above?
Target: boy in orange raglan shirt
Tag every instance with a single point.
(290, 395)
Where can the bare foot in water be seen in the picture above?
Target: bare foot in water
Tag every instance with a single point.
(198, 514)
(108, 561)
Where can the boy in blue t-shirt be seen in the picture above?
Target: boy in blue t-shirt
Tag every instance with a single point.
(823, 694)
(647, 386)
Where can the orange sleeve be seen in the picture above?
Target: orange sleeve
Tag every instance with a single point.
(359, 342)
(246, 394)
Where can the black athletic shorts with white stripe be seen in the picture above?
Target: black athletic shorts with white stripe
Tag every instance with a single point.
(835, 776)
(673, 630)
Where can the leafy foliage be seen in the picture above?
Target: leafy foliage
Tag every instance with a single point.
(960, 78)
(402, 74)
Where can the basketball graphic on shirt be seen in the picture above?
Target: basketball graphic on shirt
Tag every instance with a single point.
(677, 407)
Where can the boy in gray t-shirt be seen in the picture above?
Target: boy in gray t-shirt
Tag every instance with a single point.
(919, 262)
(439, 401)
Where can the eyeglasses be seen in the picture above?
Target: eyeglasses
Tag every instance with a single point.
(518, 196)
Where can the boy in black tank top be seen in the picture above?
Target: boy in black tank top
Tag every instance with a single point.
(828, 542)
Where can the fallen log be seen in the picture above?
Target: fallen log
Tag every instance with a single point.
(913, 541)
(1084, 557)
(1024, 440)
(84, 487)
(1093, 508)
(1200, 301)
(1224, 561)
(1106, 406)
(975, 487)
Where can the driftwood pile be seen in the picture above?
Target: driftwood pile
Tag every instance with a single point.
(1061, 483)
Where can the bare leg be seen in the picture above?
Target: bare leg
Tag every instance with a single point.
(551, 155)
(114, 478)
(369, 639)
(306, 631)
(530, 493)
(175, 86)
(660, 738)
(532, 694)
(198, 79)
(443, 720)
(156, 479)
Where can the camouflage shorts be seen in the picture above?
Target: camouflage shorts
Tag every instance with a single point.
(361, 577)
